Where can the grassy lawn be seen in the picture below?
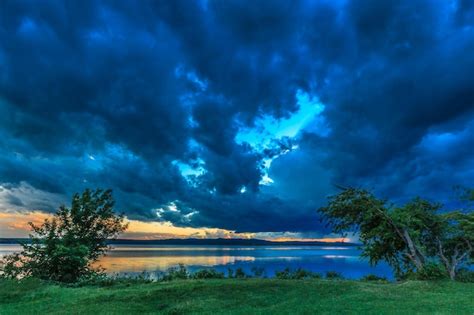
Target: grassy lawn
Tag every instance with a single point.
(248, 296)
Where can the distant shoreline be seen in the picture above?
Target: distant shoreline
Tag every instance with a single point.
(198, 241)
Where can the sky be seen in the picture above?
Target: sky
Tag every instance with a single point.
(232, 118)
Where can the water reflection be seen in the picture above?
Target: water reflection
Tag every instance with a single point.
(154, 259)
(115, 264)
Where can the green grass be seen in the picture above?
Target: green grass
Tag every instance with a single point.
(247, 296)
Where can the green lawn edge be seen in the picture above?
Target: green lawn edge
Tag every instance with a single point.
(235, 296)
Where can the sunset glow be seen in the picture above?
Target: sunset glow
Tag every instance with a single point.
(16, 225)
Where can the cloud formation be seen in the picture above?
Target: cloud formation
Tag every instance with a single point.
(149, 99)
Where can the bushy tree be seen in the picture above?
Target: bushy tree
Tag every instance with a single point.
(64, 247)
(455, 242)
(407, 237)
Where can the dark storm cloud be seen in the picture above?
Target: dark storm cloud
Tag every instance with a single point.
(118, 93)
(415, 78)
(244, 213)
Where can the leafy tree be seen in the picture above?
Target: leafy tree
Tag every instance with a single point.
(455, 244)
(409, 237)
(64, 247)
(382, 234)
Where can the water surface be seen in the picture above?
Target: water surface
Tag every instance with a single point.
(153, 259)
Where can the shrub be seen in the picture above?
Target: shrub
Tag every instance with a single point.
(305, 274)
(465, 275)
(431, 271)
(240, 274)
(333, 275)
(176, 273)
(372, 277)
(258, 272)
(207, 274)
(95, 279)
(297, 274)
(284, 274)
(103, 280)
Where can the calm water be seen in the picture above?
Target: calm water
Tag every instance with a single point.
(157, 258)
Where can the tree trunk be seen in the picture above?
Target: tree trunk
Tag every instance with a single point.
(452, 272)
(449, 268)
(456, 258)
(414, 253)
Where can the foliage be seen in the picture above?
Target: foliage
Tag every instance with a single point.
(207, 274)
(297, 274)
(63, 248)
(431, 271)
(333, 275)
(103, 280)
(240, 273)
(258, 272)
(456, 240)
(372, 277)
(465, 275)
(284, 274)
(176, 273)
(407, 237)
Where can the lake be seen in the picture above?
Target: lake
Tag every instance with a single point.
(153, 259)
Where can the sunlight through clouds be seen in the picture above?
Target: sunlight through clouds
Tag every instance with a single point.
(268, 128)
